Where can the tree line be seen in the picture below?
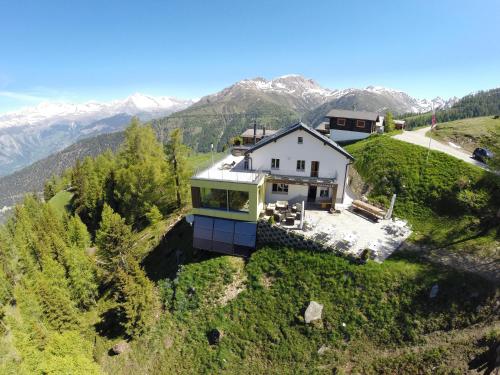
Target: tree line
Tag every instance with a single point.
(54, 265)
(482, 103)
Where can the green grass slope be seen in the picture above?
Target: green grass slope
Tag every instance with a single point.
(61, 201)
(449, 202)
(470, 133)
(374, 317)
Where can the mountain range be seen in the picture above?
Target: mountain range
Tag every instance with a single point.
(32, 133)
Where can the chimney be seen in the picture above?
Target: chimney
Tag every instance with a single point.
(254, 132)
(263, 131)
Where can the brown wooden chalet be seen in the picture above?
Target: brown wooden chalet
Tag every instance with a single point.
(357, 121)
(252, 136)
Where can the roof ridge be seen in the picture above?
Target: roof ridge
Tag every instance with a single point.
(292, 127)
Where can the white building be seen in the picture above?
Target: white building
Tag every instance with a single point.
(301, 164)
(295, 164)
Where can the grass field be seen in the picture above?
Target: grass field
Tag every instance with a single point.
(377, 318)
(470, 133)
(61, 201)
(448, 202)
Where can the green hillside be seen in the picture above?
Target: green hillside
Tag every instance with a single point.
(216, 122)
(482, 103)
(61, 201)
(374, 317)
(449, 203)
(470, 133)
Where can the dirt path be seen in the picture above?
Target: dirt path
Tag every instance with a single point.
(489, 268)
(418, 137)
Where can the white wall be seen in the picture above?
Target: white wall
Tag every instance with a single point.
(347, 135)
(332, 164)
(296, 194)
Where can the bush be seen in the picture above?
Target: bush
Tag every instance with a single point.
(154, 215)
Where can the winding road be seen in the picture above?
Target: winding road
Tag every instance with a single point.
(418, 137)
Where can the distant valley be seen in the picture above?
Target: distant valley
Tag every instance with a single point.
(33, 133)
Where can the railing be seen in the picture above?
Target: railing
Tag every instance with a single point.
(297, 173)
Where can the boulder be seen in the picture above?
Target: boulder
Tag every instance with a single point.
(168, 342)
(323, 349)
(120, 348)
(434, 291)
(313, 312)
(214, 336)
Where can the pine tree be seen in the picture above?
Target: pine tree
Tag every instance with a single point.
(154, 215)
(177, 154)
(142, 177)
(137, 298)
(114, 241)
(49, 189)
(389, 123)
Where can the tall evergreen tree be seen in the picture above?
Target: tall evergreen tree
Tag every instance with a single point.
(137, 298)
(114, 241)
(142, 178)
(177, 154)
(389, 122)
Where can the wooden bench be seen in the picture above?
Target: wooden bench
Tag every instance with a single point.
(369, 210)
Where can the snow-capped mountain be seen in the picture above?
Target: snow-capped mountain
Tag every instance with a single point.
(294, 91)
(304, 95)
(32, 133)
(49, 112)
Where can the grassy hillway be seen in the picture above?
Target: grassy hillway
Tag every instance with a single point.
(377, 318)
(469, 133)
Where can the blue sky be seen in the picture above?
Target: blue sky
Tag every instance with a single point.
(78, 51)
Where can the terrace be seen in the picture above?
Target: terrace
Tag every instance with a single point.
(230, 169)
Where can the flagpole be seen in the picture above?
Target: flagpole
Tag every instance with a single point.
(433, 122)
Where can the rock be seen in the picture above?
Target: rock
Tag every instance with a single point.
(214, 336)
(168, 342)
(120, 348)
(313, 312)
(323, 349)
(434, 291)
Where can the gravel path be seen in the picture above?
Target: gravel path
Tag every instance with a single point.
(418, 137)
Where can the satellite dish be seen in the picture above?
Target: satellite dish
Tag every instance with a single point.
(190, 219)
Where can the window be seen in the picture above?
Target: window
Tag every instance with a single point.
(280, 188)
(226, 200)
(275, 163)
(360, 123)
(324, 193)
(301, 165)
(341, 121)
(300, 140)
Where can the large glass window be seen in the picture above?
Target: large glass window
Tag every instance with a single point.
(238, 200)
(214, 198)
(222, 199)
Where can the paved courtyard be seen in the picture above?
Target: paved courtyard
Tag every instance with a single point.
(353, 233)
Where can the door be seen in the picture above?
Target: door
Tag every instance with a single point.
(311, 194)
(314, 168)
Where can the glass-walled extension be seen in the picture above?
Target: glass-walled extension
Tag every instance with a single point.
(228, 200)
(223, 199)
